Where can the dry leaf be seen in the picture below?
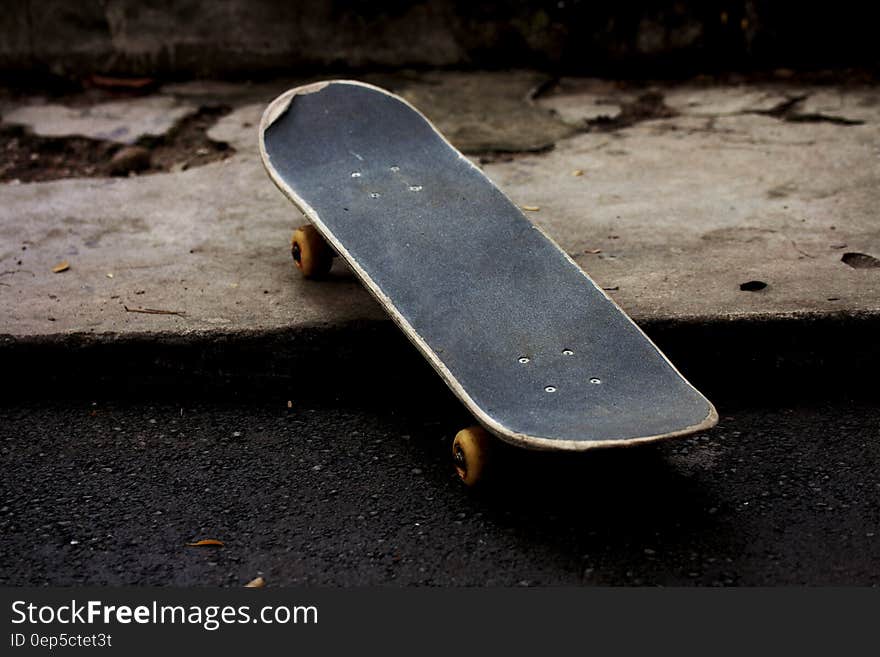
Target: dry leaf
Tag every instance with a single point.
(110, 82)
(530, 208)
(154, 311)
(61, 266)
(577, 172)
(255, 583)
(206, 542)
(593, 251)
(109, 275)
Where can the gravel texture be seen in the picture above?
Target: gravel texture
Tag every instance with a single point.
(356, 494)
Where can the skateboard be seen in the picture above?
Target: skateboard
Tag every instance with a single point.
(534, 349)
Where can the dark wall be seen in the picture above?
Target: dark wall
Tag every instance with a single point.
(244, 37)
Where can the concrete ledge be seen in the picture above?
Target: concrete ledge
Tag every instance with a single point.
(754, 359)
(719, 217)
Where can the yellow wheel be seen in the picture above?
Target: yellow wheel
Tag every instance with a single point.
(311, 254)
(470, 453)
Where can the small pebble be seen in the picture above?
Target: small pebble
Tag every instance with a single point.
(129, 159)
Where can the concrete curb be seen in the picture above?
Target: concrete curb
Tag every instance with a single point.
(723, 218)
(741, 358)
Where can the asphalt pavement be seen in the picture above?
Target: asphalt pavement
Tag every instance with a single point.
(355, 492)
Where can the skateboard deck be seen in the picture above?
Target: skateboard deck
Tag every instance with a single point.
(538, 353)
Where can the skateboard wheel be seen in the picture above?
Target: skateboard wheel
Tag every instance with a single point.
(470, 453)
(311, 254)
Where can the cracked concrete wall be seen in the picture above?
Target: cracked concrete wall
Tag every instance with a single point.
(197, 37)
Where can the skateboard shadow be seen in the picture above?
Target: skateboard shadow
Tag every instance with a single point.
(626, 490)
(609, 510)
(605, 508)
